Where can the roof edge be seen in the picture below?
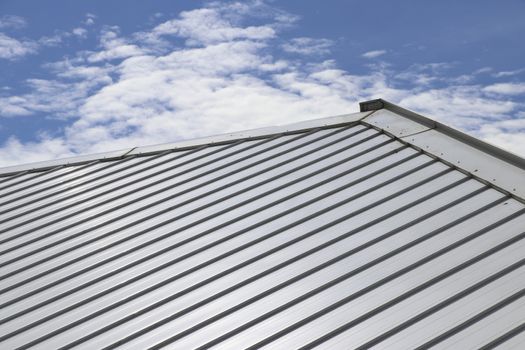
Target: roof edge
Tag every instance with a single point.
(332, 121)
(367, 109)
(495, 151)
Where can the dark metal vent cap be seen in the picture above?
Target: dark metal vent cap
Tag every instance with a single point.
(372, 105)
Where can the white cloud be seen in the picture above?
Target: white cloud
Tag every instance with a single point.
(462, 106)
(60, 36)
(53, 40)
(374, 53)
(13, 106)
(142, 89)
(13, 150)
(308, 46)
(483, 70)
(205, 26)
(59, 98)
(430, 74)
(119, 51)
(90, 19)
(11, 48)
(80, 32)
(14, 48)
(11, 21)
(506, 88)
(114, 47)
(509, 134)
(509, 73)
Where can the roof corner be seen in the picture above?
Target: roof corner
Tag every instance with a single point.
(371, 105)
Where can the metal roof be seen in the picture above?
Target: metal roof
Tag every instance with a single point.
(375, 229)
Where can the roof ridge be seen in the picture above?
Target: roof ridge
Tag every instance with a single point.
(263, 132)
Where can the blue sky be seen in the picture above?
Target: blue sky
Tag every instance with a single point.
(82, 77)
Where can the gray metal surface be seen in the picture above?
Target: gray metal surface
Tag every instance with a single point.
(335, 237)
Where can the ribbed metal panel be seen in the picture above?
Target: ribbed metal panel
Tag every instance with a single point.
(334, 237)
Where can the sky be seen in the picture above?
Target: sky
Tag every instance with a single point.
(81, 77)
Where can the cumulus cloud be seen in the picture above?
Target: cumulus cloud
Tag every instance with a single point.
(61, 97)
(308, 46)
(53, 40)
(13, 151)
(207, 26)
(211, 70)
(114, 47)
(60, 36)
(79, 32)
(509, 73)
(513, 137)
(13, 106)
(506, 88)
(428, 74)
(374, 53)
(11, 48)
(90, 19)
(483, 70)
(11, 21)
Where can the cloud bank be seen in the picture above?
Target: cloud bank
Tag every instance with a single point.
(225, 67)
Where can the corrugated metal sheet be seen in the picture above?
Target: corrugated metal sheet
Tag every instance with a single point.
(338, 236)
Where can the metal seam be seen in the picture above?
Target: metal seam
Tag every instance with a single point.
(320, 229)
(459, 295)
(295, 278)
(504, 337)
(108, 166)
(476, 318)
(415, 290)
(267, 236)
(158, 238)
(129, 183)
(112, 209)
(214, 228)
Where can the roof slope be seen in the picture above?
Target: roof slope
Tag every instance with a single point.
(378, 228)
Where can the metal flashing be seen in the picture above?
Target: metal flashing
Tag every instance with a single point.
(393, 124)
(509, 157)
(256, 133)
(71, 161)
(494, 170)
(185, 144)
(494, 165)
